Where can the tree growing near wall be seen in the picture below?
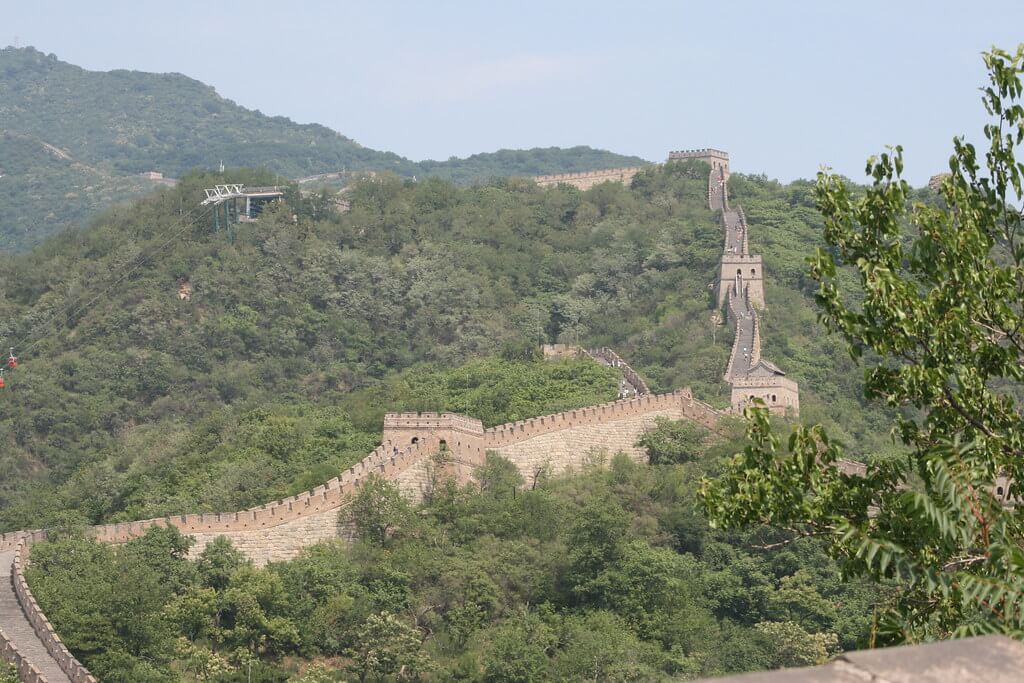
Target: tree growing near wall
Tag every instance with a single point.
(942, 288)
(378, 510)
(672, 441)
(389, 649)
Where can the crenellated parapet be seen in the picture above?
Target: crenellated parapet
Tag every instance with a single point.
(716, 158)
(749, 269)
(68, 665)
(612, 359)
(27, 671)
(585, 180)
(779, 393)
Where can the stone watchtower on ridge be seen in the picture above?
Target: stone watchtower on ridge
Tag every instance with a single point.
(716, 158)
(741, 271)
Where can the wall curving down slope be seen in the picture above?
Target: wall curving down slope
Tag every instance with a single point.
(418, 451)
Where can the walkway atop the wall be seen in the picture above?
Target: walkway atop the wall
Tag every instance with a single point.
(734, 232)
(19, 631)
(752, 378)
(743, 347)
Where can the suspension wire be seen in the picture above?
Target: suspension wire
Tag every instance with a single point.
(188, 222)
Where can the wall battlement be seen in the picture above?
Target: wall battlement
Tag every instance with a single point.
(750, 270)
(584, 180)
(715, 157)
(609, 357)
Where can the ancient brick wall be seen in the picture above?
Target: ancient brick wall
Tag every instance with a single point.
(556, 452)
(717, 159)
(751, 268)
(587, 179)
(780, 394)
(741, 286)
(44, 631)
(609, 357)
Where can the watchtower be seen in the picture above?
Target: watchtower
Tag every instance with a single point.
(716, 158)
(747, 271)
(766, 382)
(402, 430)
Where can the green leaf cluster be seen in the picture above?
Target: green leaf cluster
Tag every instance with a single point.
(937, 321)
(611, 574)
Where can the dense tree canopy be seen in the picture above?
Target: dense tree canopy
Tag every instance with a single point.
(73, 141)
(609, 575)
(299, 334)
(938, 318)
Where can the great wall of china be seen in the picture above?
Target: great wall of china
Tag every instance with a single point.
(739, 286)
(420, 449)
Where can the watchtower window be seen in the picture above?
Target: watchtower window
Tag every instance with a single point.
(415, 439)
(753, 271)
(773, 398)
(999, 490)
(443, 445)
(739, 271)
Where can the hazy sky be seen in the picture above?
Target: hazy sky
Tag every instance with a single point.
(782, 86)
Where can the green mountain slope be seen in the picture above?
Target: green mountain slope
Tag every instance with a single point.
(123, 382)
(122, 123)
(45, 190)
(300, 330)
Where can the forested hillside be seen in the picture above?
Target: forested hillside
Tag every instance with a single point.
(123, 382)
(45, 191)
(107, 127)
(300, 330)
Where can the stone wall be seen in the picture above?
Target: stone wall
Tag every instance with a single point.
(741, 285)
(587, 179)
(27, 671)
(40, 624)
(780, 394)
(555, 453)
(715, 157)
(282, 542)
(447, 445)
(750, 268)
(404, 429)
(609, 357)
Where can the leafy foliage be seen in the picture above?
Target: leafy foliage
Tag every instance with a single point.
(597, 576)
(938, 317)
(274, 375)
(672, 441)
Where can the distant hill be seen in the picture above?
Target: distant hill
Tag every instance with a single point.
(44, 190)
(109, 127)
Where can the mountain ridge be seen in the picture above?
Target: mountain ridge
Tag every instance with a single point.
(124, 123)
